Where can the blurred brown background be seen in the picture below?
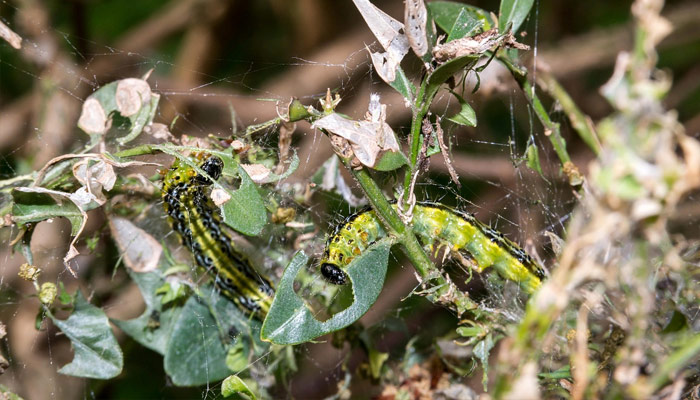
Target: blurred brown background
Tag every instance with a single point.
(252, 55)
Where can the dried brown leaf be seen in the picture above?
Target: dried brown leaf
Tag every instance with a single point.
(139, 250)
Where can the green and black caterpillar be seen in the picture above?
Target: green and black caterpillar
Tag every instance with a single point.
(196, 219)
(437, 226)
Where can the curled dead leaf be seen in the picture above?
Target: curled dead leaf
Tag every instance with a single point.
(368, 139)
(388, 32)
(219, 196)
(416, 19)
(93, 118)
(132, 94)
(257, 172)
(10, 36)
(140, 251)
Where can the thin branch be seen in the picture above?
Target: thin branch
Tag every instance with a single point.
(580, 122)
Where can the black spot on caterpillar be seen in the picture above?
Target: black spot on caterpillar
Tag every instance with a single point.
(436, 226)
(196, 219)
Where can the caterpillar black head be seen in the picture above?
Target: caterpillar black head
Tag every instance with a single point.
(333, 274)
(213, 166)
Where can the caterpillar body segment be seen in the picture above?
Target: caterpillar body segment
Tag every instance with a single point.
(197, 221)
(348, 241)
(436, 226)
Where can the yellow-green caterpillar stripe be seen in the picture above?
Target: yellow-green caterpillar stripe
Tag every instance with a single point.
(196, 219)
(436, 226)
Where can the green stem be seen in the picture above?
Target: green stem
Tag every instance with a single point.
(580, 122)
(552, 130)
(414, 251)
(419, 113)
(138, 151)
(675, 362)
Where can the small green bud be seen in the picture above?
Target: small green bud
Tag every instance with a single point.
(47, 294)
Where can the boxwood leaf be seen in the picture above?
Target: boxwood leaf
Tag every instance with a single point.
(198, 346)
(97, 353)
(515, 12)
(235, 386)
(466, 115)
(446, 13)
(290, 321)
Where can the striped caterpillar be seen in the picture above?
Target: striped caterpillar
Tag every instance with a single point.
(196, 219)
(436, 226)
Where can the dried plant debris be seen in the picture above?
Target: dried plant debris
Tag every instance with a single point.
(477, 44)
(389, 33)
(416, 20)
(10, 36)
(131, 98)
(369, 138)
(140, 251)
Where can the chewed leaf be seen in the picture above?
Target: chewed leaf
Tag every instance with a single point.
(131, 98)
(200, 336)
(368, 139)
(403, 85)
(233, 385)
(329, 178)
(466, 115)
(290, 321)
(245, 212)
(97, 353)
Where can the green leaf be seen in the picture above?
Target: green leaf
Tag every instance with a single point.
(376, 360)
(245, 211)
(152, 328)
(676, 323)
(31, 207)
(515, 12)
(290, 321)
(561, 373)
(533, 156)
(390, 161)
(465, 25)
(466, 115)
(403, 85)
(233, 385)
(237, 356)
(97, 353)
(470, 331)
(445, 71)
(446, 13)
(298, 111)
(482, 350)
(197, 348)
(172, 292)
(7, 394)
